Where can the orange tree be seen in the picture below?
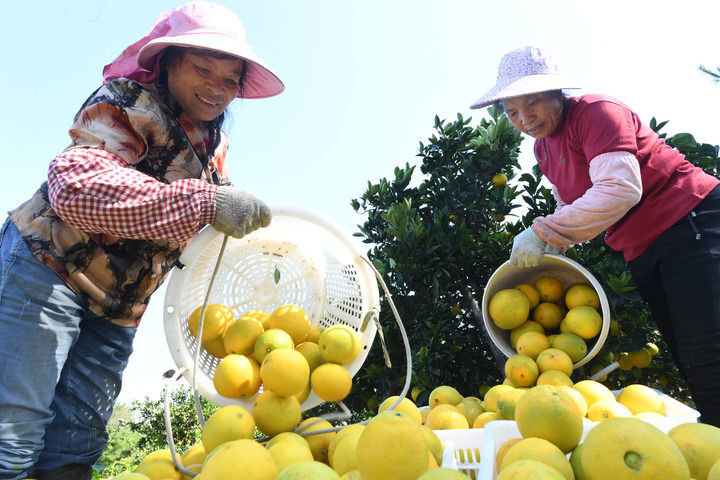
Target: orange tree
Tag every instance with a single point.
(436, 238)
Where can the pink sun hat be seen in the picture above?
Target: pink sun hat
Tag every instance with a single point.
(524, 71)
(203, 25)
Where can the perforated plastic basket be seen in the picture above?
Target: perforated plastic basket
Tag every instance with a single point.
(302, 258)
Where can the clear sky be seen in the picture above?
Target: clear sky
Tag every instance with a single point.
(364, 80)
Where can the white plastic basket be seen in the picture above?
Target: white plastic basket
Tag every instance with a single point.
(564, 269)
(463, 448)
(302, 258)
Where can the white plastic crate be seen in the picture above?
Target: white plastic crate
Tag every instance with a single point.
(498, 432)
(462, 450)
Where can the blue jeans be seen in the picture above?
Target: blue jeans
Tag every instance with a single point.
(679, 277)
(61, 367)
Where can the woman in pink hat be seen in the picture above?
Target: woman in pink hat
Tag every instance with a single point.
(611, 173)
(79, 260)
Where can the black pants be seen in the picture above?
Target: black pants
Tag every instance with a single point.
(679, 278)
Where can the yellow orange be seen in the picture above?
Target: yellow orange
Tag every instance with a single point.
(699, 444)
(581, 294)
(217, 318)
(319, 442)
(256, 461)
(583, 321)
(509, 308)
(550, 289)
(531, 292)
(571, 344)
(641, 398)
(331, 382)
(285, 372)
(241, 335)
(485, 418)
(527, 326)
(541, 450)
(234, 376)
(339, 344)
(554, 359)
(606, 409)
(545, 412)
(274, 414)
(531, 344)
(507, 402)
(593, 391)
(521, 370)
(270, 340)
(444, 394)
(311, 352)
(548, 314)
(231, 422)
(292, 319)
(406, 406)
(554, 377)
(491, 396)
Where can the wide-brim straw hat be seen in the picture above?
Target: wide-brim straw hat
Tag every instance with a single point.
(202, 25)
(522, 72)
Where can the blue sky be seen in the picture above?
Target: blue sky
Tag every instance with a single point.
(364, 81)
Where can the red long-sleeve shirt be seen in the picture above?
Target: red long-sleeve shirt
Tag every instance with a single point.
(94, 190)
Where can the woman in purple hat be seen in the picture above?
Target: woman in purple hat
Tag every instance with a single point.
(143, 174)
(611, 173)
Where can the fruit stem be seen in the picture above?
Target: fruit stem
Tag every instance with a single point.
(633, 460)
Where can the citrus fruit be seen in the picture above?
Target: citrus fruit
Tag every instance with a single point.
(261, 315)
(545, 412)
(270, 340)
(594, 369)
(490, 399)
(406, 406)
(311, 352)
(444, 394)
(434, 444)
(287, 452)
(652, 348)
(624, 361)
(331, 382)
(640, 358)
(241, 335)
(699, 444)
(531, 292)
(554, 377)
(256, 461)
(529, 469)
(627, 447)
(231, 422)
(347, 430)
(548, 314)
(159, 465)
(641, 398)
(581, 294)
(571, 344)
(540, 450)
(528, 326)
(287, 437)
(507, 402)
(509, 308)
(471, 407)
(583, 321)
(314, 333)
(554, 359)
(194, 456)
(550, 289)
(285, 372)
(531, 344)
(215, 347)
(234, 376)
(485, 418)
(274, 414)
(130, 476)
(354, 475)
(307, 470)
(345, 453)
(304, 393)
(593, 391)
(217, 318)
(606, 409)
(319, 442)
(443, 473)
(503, 449)
(339, 344)
(521, 370)
(292, 319)
(445, 417)
(392, 446)
(714, 473)
(499, 180)
(575, 396)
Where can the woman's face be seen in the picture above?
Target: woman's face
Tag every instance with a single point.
(537, 115)
(204, 85)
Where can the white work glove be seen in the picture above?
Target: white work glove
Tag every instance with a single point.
(238, 213)
(527, 249)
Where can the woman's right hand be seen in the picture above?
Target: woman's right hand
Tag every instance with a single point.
(238, 213)
(527, 249)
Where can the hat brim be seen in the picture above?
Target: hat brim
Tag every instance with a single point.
(259, 81)
(526, 85)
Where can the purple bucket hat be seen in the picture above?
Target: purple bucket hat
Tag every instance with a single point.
(203, 25)
(522, 72)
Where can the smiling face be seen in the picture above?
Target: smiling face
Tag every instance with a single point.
(203, 85)
(537, 114)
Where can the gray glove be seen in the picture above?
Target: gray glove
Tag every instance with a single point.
(238, 213)
(527, 249)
